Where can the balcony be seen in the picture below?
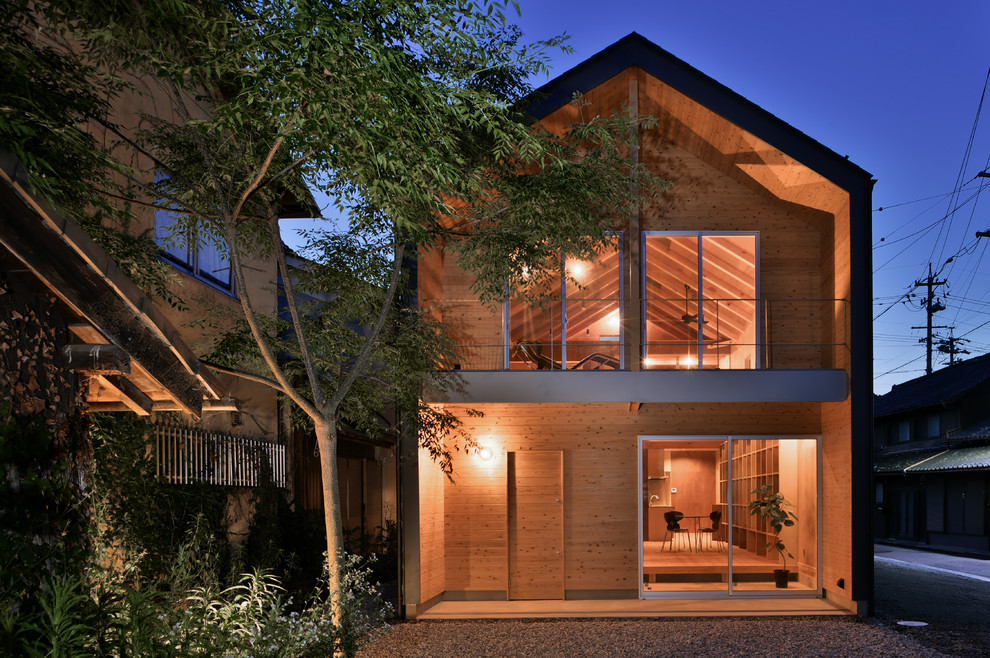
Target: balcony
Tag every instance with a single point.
(790, 334)
(796, 352)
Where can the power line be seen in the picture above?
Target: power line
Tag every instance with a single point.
(897, 369)
(962, 169)
(907, 203)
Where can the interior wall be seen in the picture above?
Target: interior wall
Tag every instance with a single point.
(693, 474)
(798, 483)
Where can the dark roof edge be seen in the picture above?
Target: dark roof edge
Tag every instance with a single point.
(636, 50)
(905, 389)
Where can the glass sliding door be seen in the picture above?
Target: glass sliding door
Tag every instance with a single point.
(699, 536)
(684, 545)
(579, 325)
(762, 468)
(700, 300)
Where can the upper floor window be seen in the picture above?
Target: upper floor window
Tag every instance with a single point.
(700, 300)
(205, 259)
(899, 432)
(581, 328)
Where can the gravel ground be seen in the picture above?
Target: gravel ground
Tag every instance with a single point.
(641, 638)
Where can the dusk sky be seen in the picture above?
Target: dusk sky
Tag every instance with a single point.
(896, 86)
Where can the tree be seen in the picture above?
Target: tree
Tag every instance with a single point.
(407, 113)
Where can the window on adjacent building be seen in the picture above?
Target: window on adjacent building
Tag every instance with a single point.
(700, 300)
(899, 432)
(580, 328)
(205, 259)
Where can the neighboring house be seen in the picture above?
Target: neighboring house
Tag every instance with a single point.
(96, 342)
(723, 345)
(932, 459)
(366, 466)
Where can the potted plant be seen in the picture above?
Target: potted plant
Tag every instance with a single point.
(772, 506)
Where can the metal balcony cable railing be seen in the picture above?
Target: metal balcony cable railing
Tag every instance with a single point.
(735, 334)
(185, 455)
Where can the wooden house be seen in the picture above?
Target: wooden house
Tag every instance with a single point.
(932, 459)
(723, 345)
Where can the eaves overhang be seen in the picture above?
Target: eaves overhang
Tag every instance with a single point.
(576, 386)
(634, 50)
(56, 251)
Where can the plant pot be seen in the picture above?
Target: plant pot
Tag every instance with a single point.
(780, 577)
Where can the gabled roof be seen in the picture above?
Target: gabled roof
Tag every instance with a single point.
(939, 388)
(636, 51)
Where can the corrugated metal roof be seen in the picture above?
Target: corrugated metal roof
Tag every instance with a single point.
(940, 387)
(898, 463)
(957, 459)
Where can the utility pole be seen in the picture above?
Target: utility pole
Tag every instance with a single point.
(933, 306)
(948, 346)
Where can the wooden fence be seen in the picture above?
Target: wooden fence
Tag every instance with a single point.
(186, 455)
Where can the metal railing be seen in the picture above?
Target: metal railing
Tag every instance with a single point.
(185, 455)
(781, 333)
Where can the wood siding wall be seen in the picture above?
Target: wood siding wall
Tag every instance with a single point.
(432, 540)
(837, 504)
(723, 179)
(599, 443)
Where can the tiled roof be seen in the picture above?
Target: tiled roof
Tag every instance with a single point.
(979, 430)
(940, 387)
(899, 462)
(957, 459)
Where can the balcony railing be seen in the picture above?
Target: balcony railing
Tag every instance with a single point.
(735, 335)
(186, 455)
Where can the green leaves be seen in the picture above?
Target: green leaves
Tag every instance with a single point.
(771, 506)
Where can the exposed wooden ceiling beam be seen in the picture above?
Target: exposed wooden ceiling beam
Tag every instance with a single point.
(129, 395)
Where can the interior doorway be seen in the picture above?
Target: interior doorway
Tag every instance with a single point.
(698, 535)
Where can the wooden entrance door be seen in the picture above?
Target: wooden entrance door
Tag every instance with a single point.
(536, 524)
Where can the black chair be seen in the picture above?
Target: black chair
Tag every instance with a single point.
(674, 529)
(713, 532)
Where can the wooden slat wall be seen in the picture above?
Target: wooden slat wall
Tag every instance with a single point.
(476, 522)
(724, 179)
(836, 502)
(431, 529)
(600, 496)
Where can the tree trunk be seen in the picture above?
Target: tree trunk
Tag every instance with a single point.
(326, 439)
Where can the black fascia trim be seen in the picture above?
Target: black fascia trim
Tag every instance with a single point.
(861, 392)
(636, 50)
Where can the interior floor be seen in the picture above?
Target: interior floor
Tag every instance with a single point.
(707, 570)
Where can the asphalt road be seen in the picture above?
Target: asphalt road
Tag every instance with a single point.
(955, 607)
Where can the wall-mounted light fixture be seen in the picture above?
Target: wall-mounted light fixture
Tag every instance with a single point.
(485, 453)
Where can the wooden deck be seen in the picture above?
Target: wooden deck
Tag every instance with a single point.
(631, 608)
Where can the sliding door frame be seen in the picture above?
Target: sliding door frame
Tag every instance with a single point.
(729, 592)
